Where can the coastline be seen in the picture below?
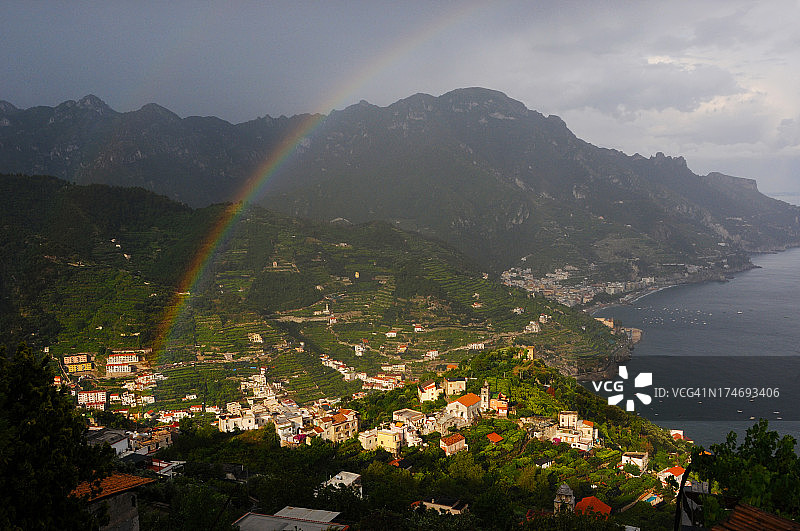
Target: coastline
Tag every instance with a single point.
(753, 316)
(699, 278)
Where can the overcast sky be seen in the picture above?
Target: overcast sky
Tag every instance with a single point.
(716, 82)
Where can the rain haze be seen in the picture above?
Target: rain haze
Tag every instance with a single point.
(715, 82)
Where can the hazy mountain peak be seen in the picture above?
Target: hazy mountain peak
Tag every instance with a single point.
(660, 158)
(7, 108)
(418, 102)
(156, 110)
(361, 105)
(94, 103)
(473, 167)
(484, 100)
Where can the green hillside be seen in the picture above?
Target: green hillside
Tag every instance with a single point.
(86, 268)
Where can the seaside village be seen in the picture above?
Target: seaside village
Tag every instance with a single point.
(267, 402)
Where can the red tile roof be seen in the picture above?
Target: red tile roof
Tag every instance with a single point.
(676, 470)
(469, 399)
(592, 504)
(452, 439)
(495, 438)
(113, 484)
(588, 422)
(746, 518)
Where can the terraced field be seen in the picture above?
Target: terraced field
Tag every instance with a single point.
(307, 379)
(273, 278)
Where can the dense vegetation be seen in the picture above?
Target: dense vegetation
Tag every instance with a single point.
(44, 454)
(763, 471)
(499, 481)
(85, 269)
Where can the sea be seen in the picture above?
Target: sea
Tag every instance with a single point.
(720, 355)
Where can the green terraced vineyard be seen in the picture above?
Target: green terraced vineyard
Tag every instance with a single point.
(109, 261)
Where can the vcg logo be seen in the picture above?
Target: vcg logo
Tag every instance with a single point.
(643, 379)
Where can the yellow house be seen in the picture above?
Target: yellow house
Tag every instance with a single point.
(79, 367)
(389, 440)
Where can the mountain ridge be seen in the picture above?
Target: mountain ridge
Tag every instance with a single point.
(472, 167)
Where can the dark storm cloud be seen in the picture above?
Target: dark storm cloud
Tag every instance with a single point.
(712, 80)
(620, 89)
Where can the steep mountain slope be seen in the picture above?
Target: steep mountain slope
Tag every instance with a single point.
(471, 167)
(478, 169)
(87, 267)
(195, 160)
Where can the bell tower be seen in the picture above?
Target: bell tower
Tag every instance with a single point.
(485, 396)
(564, 500)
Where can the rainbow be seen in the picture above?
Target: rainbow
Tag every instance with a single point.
(279, 155)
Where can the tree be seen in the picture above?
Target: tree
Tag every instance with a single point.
(764, 471)
(631, 469)
(44, 453)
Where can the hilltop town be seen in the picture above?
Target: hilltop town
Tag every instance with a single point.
(469, 408)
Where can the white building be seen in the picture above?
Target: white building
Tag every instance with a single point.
(467, 407)
(428, 391)
(117, 368)
(123, 357)
(345, 479)
(639, 459)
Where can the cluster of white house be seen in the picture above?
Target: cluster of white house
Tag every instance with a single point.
(408, 425)
(260, 387)
(125, 442)
(131, 399)
(641, 460)
(430, 355)
(296, 425)
(404, 430)
(100, 398)
(171, 416)
(432, 390)
(145, 380)
(93, 399)
(386, 381)
(578, 433)
(293, 424)
(534, 327)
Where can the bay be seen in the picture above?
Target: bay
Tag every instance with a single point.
(745, 331)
